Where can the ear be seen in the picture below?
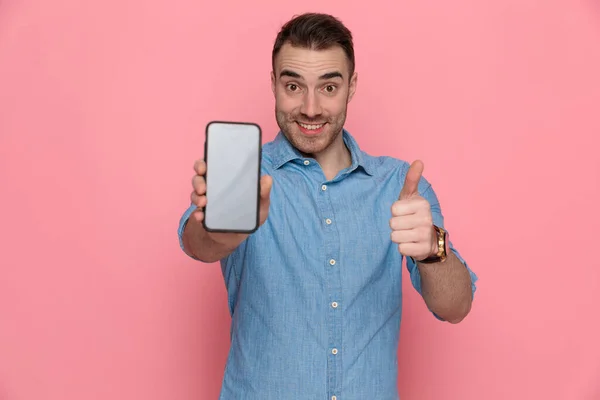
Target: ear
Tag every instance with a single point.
(273, 82)
(352, 86)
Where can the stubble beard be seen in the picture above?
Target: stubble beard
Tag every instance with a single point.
(308, 145)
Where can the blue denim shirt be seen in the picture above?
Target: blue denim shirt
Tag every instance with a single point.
(315, 294)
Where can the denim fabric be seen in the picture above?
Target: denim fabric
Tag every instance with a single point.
(315, 294)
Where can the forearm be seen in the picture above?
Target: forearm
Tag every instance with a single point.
(201, 245)
(446, 288)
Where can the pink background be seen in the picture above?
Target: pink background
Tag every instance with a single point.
(102, 113)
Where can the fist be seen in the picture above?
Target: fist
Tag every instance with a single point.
(412, 222)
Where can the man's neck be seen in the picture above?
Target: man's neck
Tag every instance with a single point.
(334, 158)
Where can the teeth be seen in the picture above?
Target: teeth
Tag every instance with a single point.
(310, 127)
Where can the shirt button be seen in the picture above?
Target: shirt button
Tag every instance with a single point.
(324, 187)
(328, 221)
(306, 162)
(332, 261)
(334, 304)
(334, 351)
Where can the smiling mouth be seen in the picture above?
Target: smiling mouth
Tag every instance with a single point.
(310, 127)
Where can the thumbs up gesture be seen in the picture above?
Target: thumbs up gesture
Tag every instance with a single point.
(412, 222)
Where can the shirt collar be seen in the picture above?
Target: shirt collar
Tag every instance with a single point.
(284, 152)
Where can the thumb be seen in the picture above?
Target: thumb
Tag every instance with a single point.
(266, 182)
(411, 183)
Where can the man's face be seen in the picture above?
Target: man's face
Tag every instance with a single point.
(312, 91)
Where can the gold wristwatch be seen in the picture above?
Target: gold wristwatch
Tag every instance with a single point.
(442, 241)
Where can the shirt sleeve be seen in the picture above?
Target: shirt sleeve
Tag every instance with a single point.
(427, 192)
(182, 223)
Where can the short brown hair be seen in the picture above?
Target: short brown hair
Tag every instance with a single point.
(316, 32)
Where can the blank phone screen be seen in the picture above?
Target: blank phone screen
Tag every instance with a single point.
(232, 155)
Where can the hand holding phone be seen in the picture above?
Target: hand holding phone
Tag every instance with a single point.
(227, 185)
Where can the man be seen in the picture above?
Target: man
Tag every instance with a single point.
(315, 293)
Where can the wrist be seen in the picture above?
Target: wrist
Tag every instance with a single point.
(434, 243)
(439, 247)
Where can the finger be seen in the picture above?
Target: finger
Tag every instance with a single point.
(405, 222)
(200, 167)
(405, 236)
(199, 184)
(198, 200)
(411, 250)
(411, 182)
(266, 182)
(403, 207)
(199, 215)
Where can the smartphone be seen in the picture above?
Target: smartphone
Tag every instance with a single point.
(232, 152)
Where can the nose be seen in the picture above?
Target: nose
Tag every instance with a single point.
(310, 105)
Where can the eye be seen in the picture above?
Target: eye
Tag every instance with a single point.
(292, 87)
(330, 88)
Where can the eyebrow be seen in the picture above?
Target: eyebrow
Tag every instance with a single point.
(328, 75)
